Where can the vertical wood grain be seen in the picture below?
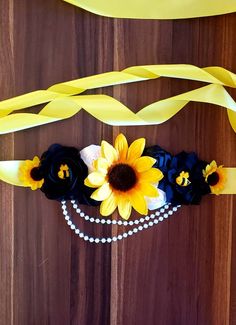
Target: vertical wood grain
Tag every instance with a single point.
(7, 152)
(181, 272)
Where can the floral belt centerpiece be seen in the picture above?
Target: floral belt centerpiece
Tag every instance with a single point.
(120, 177)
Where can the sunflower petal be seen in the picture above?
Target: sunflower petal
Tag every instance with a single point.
(36, 161)
(121, 145)
(144, 163)
(101, 165)
(124, 207)
(108, 206)
(102, 192)
(108, 152)
(153, 175)
(96, 178)
(136, 149)
(138, 201)
(88, 183)
(148, 189)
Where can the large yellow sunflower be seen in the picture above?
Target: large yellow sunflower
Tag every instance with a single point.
(123, 178)
(215, 176)
(29, 175)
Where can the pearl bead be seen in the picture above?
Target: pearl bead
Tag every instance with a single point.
(161, 214)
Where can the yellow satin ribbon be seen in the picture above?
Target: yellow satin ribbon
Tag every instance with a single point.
(156, 9)
(63, 103)
(9, 173)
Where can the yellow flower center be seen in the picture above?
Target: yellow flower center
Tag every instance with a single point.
(183, 179)
(122, 177)
(63, 172)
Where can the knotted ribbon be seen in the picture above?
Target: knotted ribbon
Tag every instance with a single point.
(64, 100)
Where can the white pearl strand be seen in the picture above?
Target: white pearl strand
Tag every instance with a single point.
(156, 216)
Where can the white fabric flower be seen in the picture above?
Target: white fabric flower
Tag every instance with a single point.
(89, 154)
(156, 202)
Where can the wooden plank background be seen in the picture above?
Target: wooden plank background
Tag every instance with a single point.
(181, 272)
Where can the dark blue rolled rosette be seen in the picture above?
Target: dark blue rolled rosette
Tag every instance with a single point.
(163, 158)
(64, 172)
(172, 166)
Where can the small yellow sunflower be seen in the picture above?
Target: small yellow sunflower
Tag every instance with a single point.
(215, 176)
(123, 178)
(29, 173)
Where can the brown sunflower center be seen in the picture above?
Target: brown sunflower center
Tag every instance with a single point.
(36, 174)
(122, 177)
(213, 179)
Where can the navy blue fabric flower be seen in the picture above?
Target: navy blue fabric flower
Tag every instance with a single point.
(64, 173)
(163, 158)
(191, 189)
